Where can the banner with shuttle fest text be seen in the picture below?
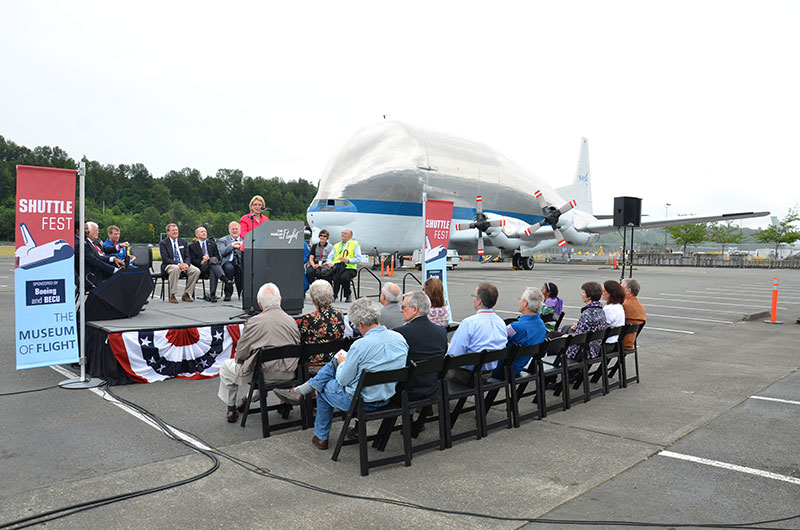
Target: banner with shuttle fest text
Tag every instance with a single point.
(438, 217)
(44, 269)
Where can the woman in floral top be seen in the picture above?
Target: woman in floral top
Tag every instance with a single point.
(592, 318)
(435, 291)
(323, 325)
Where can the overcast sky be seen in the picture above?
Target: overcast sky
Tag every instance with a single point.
(693, 103)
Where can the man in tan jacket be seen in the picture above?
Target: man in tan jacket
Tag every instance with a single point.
(634, 310)
(271, 328)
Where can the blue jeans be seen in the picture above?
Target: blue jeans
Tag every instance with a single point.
(331, 395)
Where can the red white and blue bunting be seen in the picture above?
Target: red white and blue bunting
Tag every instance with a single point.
(191, 353)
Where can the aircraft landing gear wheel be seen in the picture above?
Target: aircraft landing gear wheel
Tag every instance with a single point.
(527, 263)
(515, 261)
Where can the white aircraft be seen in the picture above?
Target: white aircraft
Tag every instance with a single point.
(375, 183)
(31, 255)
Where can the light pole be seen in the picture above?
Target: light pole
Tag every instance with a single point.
(666, 214)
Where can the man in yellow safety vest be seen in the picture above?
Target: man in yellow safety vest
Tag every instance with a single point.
(345, 257)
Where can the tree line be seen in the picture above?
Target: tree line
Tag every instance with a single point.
(128, 196)
(782, 232)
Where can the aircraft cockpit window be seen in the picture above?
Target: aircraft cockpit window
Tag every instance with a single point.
(331, 202)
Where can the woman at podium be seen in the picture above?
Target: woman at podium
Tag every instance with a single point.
(251, 220)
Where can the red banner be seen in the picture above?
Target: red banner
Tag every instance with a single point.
(438, 216)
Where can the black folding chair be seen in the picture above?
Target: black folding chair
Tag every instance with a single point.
(609, 351)
(518, 384)
(432, 366)
(624, 353)
(588, 363)
(491, 388)
(456, 391)
(263, 387)
(573, 371)
(550, 369)
(358, 409)
(144, 259)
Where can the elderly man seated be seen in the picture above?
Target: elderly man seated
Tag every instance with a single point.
(271, 328)
(482, 331)
(378, 350)
(391, 316)
(425, 340)
(527, 330)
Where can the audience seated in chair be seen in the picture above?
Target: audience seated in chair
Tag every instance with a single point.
(174, 261)
(552, 306)
(204, 255)
(271, 328)
(634, 310)
(390, 299)
(426, 341)
(527, 330)
(482, 331)
(230, 250)
(592, 319)
(324, 324)
(613, 296)
(379, 349)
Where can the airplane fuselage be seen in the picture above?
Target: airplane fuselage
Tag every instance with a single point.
(374, 186)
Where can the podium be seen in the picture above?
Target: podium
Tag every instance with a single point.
(273, 252)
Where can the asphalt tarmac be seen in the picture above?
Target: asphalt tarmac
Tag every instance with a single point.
(708, 437)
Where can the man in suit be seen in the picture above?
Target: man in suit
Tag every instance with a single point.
(425, 341)
(230, 249)
(271, 328)
(99, 265)
(204, 255)
(174, 261)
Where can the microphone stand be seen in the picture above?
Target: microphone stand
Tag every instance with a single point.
(249, 244)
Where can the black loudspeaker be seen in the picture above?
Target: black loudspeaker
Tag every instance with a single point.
(627, 211)
(274, 253)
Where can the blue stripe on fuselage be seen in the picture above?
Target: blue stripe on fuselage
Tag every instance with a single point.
(414, 209)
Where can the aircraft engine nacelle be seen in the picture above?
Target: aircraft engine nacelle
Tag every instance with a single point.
(574, 237)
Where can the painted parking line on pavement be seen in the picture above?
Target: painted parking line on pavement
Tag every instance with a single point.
(777, 400)
(732, 467)
(691, 301)
(765, 300)
(740, 313)
(108, 397)
(652, 328)
(698, 319)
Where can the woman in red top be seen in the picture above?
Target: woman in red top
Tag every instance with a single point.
(255, 217)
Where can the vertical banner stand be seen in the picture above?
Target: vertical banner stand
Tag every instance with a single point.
(84, 381)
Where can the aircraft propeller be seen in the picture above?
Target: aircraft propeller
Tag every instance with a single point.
(481, 222)
(551, 217)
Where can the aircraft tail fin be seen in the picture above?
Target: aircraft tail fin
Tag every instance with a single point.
(581, 188)
(27, 238)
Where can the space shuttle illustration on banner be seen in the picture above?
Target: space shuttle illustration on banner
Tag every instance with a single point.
(31, 255)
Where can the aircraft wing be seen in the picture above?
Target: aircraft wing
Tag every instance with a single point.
(606, 225)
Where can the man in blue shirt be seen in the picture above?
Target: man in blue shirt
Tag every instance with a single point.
(482, 331)
(527, 330)
(378, 350)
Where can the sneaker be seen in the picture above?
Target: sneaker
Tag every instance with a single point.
(289, 396)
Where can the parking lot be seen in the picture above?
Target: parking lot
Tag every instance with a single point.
(709, 436)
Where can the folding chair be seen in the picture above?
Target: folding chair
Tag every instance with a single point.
(456, 391)
(609, 351)
(312, 349)
(144, 259)
(259, 383)
(357, 409)
(550, 367)
(635, 352)
(573, 368)
(519, 383)
(492, 387)
(433, 366)
(587, 363)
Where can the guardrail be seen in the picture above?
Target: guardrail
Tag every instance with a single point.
(703, 260)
